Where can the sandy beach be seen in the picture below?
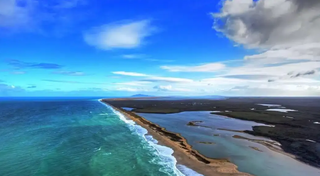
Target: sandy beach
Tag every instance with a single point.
(183, 152)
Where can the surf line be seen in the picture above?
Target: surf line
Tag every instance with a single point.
(161, 151)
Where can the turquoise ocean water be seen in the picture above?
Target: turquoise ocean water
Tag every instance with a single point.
(78, 138)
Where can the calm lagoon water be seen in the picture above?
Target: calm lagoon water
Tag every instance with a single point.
(266, 163)
(78, 138)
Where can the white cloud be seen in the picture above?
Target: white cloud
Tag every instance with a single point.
(310, 51)
(167, 79)
(133, 56)
(169, 88)
(152, 78)
(119, 35)
(67, 4)
(70, 73)
(36, 15)
(129, 74)
(131, 89)
(14, 15)
(210, 67)
(270, 23)
(274, 70)
(144, 57)
(134, 83)
(287, 31)
(286, 34)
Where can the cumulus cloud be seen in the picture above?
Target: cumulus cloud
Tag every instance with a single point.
(270, 23)
(119, 35)
(210, 67)
(285, 32)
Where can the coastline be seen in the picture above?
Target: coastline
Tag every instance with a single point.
(269, 144)
(183, 152)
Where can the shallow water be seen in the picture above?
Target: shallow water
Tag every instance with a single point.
(265, 163)
(270, 105)
(78, 138)
(282, 110)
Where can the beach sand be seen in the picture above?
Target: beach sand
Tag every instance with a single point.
(183, 152)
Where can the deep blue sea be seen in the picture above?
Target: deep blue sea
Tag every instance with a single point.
(77, 137)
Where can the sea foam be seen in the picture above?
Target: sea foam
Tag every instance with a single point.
(163, 152)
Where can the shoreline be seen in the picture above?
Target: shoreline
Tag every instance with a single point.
(183, 152)
(269, 144)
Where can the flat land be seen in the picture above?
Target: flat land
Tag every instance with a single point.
(183, 152)
(297, 131)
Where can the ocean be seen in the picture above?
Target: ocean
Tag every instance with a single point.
(77, 137)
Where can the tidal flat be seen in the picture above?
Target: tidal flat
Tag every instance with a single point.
(293, 130)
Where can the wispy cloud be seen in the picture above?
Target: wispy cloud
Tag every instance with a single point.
(71, 82)
(30, 15)
(144, 57)
(133, 56)
(293, 75)
(14, 15)
(32, 87)
(158, 60)
(18, 72)
(210, 67)
(152, 78)
(9, 90)
(167, 79)
(249, 77)
(133, 83)
(169, 88)
(70, 73)
(129, 74)
(119, 35)
(67, 4)
(130, 89)
(17, 64)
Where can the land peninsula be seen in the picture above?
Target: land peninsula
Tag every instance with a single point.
(297, 131)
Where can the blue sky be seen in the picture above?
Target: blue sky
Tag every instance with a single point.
(125, 47)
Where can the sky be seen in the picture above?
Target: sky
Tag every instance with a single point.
(160, 48)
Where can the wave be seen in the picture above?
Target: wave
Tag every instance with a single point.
(187, 171)
(163, 152)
